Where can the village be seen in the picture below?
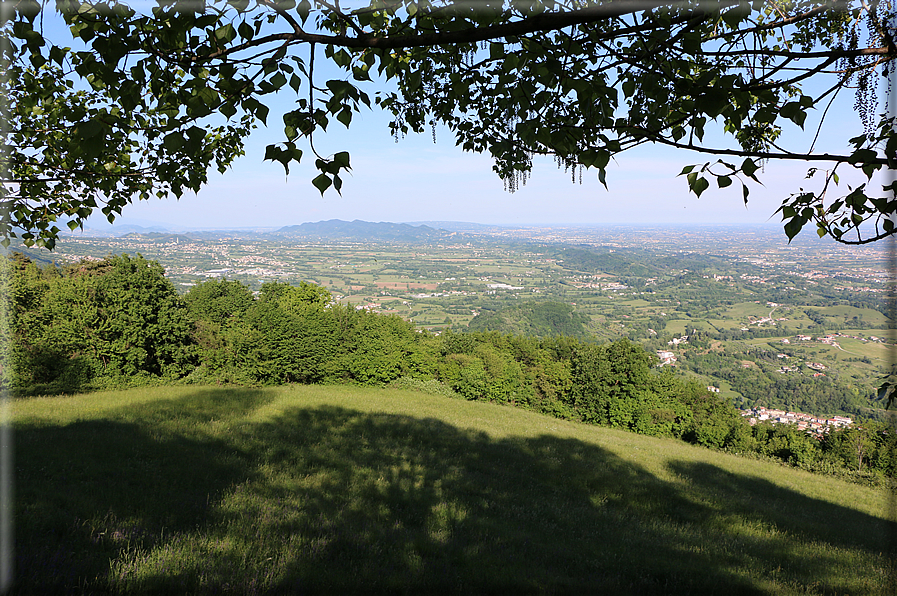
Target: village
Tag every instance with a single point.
(812, 424)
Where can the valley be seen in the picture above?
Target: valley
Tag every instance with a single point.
(799, 326)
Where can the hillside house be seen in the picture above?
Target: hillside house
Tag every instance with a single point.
(666, 357)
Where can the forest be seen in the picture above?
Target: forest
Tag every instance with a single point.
(118, 322)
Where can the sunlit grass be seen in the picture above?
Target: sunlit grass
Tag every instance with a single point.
(330, 489)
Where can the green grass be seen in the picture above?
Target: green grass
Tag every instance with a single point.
(680, 326)
(743, 310)
(841, 312)
(336, 489)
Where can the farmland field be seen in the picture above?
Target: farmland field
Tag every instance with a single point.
(752, 294)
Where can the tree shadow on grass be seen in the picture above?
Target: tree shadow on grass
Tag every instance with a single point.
(88, 490)
(332, 500)
(792, 521)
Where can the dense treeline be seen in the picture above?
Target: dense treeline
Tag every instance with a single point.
(119, 322)
(762, 385)
(540, 319)
(94, 324)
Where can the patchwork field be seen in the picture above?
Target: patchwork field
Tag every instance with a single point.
(648, 286)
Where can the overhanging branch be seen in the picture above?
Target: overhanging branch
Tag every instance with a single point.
(535, 24)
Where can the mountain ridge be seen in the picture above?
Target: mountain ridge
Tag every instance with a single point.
(364, 230)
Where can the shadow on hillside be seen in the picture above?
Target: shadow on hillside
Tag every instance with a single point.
(334, 500)
(89, 489)
(756, 502)
(787, 510)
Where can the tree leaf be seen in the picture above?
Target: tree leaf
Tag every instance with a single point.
(699, 186)
(341, 160)
(321, 182)
(173, 141)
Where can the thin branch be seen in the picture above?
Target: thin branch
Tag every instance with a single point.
(840, 53)
(764, 154)
(539, 23)
(346, 20)
(777, 24)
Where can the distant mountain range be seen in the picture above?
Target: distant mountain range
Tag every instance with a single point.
(336, 229)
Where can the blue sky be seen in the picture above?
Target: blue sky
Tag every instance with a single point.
(417, 180)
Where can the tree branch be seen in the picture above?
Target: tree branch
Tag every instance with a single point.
(535, 24)
(764, 154)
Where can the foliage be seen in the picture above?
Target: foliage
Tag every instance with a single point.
(295, 299)
(541, 319)
(154, 100)
(96, 322)
(431, 386)
(84, 132)
(218, 301)
(762, 384)
(119, 322)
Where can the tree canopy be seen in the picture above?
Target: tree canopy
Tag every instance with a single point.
(146, 103)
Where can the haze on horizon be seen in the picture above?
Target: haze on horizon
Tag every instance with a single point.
(416, 180)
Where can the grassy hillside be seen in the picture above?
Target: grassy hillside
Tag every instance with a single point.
(326, 489)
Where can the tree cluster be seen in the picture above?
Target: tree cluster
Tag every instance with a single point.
(541, 319)
(119, 322)
(762, 385)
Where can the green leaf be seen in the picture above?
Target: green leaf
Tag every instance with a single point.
(793, 227)
(345, 116)
(887, 392)
(863, 156)
(303, 8)
(89, 129)
(341, 159)
(723, 181)
(322, 182)
(173, 141)
(342, 58)
(699, 186)
(414, 81)
(246, 31)
(870, 168)
(226, 33)
(227, 109)
(278, 80)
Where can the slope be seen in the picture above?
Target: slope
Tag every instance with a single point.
(328, 489)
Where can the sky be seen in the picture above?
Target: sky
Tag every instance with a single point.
(416, 180)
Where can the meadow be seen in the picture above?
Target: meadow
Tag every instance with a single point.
(326, 489)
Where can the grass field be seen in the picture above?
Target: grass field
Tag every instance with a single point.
(340, 489)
